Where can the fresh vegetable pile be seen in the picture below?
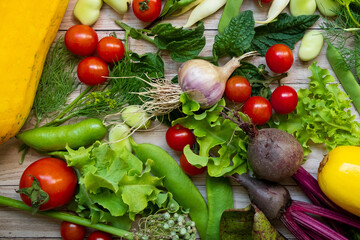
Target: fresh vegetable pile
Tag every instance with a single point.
(234, 122)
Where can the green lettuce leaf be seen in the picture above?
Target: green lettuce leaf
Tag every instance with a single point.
(115, 185)
(322, 115)
(222, 145)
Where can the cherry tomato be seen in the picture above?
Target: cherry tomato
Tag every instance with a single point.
(56, 179)
(99, 235)
(258, 109)
(177, 137)
(263, 1)
(238, 89)
(146, 10)
(92, 70)
(284, 99)
(110, 49)
(72, 231)
(279, 58)
(188, 168)
(81, 40)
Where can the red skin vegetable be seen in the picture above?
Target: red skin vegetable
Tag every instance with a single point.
(72, 231)
(81, 40)
(177, 137)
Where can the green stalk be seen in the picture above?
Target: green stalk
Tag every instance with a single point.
(127, 28)
(68, 108)
(68, 217)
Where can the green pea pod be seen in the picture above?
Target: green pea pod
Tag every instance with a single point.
(344, 74)
(176, 182)
(47, 139)
(231, 10)
(219, 198)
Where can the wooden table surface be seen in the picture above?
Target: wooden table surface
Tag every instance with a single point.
(15, 224)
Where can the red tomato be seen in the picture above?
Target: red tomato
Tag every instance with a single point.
(263, 1)
(238, 89)
(81, 40)
(92, 71)
(99, 235)
(279, 58)
(284, 99)
(56, 179)
(146, 10)
(72, 231)
(258, 109)
(177, 137)
(188, 168)
(110, 49)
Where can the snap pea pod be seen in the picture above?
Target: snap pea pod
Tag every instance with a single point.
(176, 182)
(231, 10)
(47, 139)
(344, 75)
(219, 198)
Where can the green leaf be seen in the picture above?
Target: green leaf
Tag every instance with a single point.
(222, 145)
(150, 64)
(247, 223)
(322, 115)
(286, 30)
(183, 44)
(237, 37)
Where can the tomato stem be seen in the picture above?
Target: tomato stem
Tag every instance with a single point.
(144, 5)
(68, 217)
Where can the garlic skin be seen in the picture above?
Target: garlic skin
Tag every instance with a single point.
(201, 80)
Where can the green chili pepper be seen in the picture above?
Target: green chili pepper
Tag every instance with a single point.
(219, 198)
(231, 10)
(47, 139)
(176, 182)
(344, 75)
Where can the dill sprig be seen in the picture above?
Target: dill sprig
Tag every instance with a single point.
(57, 82)
(344, 33)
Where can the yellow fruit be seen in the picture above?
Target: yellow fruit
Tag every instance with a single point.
(28, 28)
(339, 177)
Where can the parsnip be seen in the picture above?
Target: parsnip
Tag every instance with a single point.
(203, 10)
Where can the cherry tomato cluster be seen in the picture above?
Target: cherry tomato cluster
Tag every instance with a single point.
(82, 40)
(177, 137)
(283, 100)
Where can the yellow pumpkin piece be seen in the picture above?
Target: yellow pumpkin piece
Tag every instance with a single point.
(339, 177)
(27, 30)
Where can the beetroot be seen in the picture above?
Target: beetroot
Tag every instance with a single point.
(272, 153)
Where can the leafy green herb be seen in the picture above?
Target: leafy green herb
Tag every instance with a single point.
(286, 30)
(218, 138)
(237, 37)
(115, 186)
(322, 114)
(183, 44)
(57, 81)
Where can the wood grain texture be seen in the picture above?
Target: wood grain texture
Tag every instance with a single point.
(15, 224)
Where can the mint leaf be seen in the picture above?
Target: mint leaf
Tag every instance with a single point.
(286, 30)
(237, 37)
(183, 44)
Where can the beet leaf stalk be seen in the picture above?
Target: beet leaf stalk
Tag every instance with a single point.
(275, 201)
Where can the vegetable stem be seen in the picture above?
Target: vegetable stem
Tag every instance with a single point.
(127, 28)
(68, 217)
(58, 119)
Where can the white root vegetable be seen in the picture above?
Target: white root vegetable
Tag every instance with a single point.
(187, 8)
(276, 8)
(203, 10)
